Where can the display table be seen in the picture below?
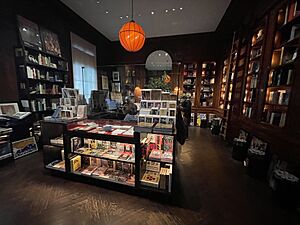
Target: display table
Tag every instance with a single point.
(111, 152)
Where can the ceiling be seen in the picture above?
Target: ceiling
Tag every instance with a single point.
(157, 17)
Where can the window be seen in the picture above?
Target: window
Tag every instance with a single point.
(84, 66)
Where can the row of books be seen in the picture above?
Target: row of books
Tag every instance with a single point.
(33, 73)
(163, 156)
(280, 97)
(39, 88)
(281, 77)
(111, 154)
(250, 95)
(157, 95)
(46, 61)
(103, 169)
(40, 60)
(150, 127)
(247, 111)
(275, 118)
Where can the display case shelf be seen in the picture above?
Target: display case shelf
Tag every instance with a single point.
(107, 158)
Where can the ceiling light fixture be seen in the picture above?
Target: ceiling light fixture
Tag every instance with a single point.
(173, 9)
(152, 12)
(181, 8)
(106, 12)
(121, 17)
(166, 10)
(127, 16)
(132, 35)
(97, 2)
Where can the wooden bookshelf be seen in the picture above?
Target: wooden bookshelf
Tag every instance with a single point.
(208, 77)
(223, 86)
(281, 75)
(41, 76)
(253, 71)
(190, 75)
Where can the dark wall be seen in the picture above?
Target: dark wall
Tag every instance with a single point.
(53, 15)
(185, 48)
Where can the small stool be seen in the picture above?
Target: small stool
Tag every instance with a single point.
(257, 165)
(286, 188)
(239, 151)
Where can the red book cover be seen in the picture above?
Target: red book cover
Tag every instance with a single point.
(292, 11)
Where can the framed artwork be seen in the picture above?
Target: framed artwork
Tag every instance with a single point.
(29, 33)
(258, 144)
(116, 87)
(9, 108)
(104, 80)
(50, 42)
(115, 76)
(24, 147)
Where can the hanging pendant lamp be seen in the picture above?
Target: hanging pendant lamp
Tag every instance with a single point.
(132, 35)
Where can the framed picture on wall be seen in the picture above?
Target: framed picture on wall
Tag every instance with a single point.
(50, 42)
(116, 87)
(116, 76)
(104, 80)
(29, 33)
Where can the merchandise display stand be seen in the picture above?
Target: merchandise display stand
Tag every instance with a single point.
(110, 153)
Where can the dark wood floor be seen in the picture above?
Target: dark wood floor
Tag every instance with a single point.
(212, 189)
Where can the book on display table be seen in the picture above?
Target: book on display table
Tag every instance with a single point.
(112, 152)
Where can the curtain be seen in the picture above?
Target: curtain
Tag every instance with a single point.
(84, 66)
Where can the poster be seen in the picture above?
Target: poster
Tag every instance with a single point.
(24, 147)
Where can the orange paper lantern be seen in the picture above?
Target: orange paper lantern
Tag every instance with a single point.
(132, 36)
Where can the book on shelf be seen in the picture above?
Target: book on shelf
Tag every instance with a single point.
(282, 120)
(275, 118)
(151, 179)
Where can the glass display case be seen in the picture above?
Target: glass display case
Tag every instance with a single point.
(111, 151)
(156, 163)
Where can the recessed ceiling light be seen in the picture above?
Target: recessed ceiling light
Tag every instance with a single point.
(152, 12)
(181, 8)
(106, 12)
(173, 9)
(97, 2)
(127, 16)
(159, 54)
(121, 17)
(166, 10)
(166, 54)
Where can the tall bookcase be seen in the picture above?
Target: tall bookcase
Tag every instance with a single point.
(41, 70)
(208, 76)
(41, 76)
(190, 74)
(223, 85)
(253, 71)
(282, 70)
